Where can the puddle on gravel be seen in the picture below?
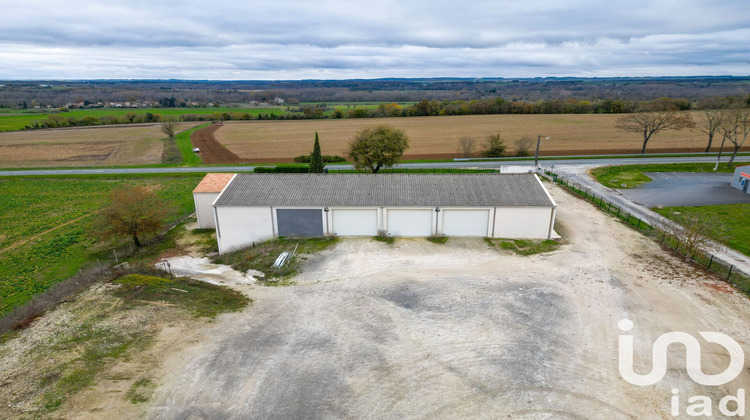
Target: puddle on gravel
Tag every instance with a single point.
(203, 269)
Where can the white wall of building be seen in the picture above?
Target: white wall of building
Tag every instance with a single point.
(203, 209)
(737, 180)
(239, 227)
(523, 222)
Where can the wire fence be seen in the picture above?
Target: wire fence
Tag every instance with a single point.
(708, 261)
(101, 270)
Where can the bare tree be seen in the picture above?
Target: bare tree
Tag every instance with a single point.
(168, 128)
(523, 146)
(712, 116)
(133, 211)
(735, 128)
(694, 233)
(466, 146)
(654, 118)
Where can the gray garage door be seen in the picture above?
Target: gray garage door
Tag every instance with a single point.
(300, 222)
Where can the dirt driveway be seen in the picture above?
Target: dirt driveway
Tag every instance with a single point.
(461, 330)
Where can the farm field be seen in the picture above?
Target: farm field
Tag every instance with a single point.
(139, 144)
(16, 119)
(437, 137)
(46, 227)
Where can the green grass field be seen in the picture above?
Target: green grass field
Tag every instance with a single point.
(186, 148)
(736, 217)
(33, 206)
(632, 175)
(17, 119)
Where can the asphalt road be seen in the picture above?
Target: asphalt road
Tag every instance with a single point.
(587, 163)
(686, 189)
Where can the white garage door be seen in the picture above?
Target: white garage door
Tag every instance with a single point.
(410, 222)
(355, 222)
(465, 222)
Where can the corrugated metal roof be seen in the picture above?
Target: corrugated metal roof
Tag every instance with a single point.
(377, 190)
(213, 183)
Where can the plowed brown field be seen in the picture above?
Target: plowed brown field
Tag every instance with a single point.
(211, 150)
(437, 137)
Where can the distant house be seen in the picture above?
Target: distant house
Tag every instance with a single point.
(741, 179)
(257, 207)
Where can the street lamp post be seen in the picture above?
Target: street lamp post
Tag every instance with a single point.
(536, 154)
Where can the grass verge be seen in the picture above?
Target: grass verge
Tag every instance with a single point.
(525, 247)
(735, 217)
(71, 349)
(186, 148)
(630, 176)
(199, 298)
(260, 257)
(438, 239)
(390, 240)
(420, 171)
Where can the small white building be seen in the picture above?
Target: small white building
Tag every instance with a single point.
(741, 179)
(257, 207)
(205, 194)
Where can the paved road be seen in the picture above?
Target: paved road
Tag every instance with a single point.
(586, 163)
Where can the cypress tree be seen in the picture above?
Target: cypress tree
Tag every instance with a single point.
(316, 158)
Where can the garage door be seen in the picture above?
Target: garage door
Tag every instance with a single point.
(465, 222)
(300, 222)
(410, 222)
(355, 222)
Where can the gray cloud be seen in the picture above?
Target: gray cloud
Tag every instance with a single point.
(343, 39)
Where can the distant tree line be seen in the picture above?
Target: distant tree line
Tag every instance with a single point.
(422, 108)
(13, 94)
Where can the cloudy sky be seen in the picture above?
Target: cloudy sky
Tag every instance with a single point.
(282, 39)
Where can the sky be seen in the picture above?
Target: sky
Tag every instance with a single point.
(292, 40)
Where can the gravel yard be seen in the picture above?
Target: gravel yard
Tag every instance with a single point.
(458, 330)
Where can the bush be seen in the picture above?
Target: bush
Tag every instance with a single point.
(326, 159)
(279, 169)
(495, 146)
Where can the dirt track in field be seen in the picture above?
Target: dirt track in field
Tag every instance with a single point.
(211, 150)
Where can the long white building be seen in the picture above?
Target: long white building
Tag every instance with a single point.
(257, 207)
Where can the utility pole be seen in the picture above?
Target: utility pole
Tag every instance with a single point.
(536, 154)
